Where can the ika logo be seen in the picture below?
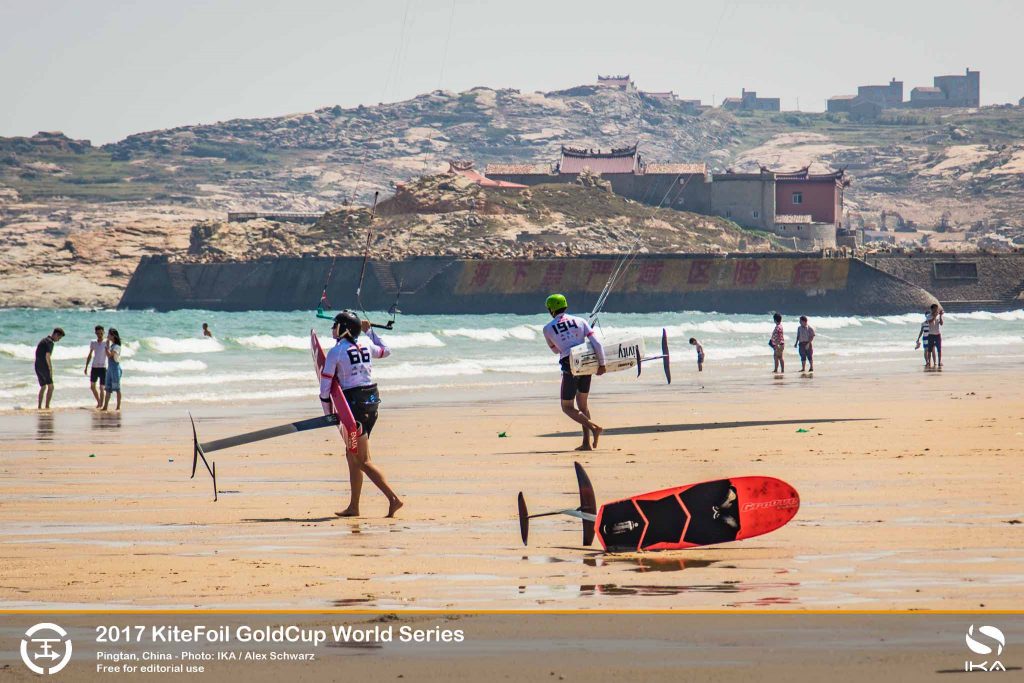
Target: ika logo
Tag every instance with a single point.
(989, 640)
(629, 351)
(45, 646)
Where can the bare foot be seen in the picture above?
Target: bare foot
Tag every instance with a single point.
(597, 434)
(584, 447)
(347, 512)
(395, 506)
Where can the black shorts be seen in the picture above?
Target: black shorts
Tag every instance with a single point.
(935, 340)
(573, 384)
(98, 375)
(43, 375)
(363, 402)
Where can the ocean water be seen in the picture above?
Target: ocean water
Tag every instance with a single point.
(262, 355)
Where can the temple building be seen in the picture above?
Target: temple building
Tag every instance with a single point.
(762, 200)
(619, 82)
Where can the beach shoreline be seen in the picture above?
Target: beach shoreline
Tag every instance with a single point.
(905, 481)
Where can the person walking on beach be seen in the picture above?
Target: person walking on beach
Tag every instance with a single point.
(805, 343)
(350, 362)
(44, 365)
(778, 343)
(98, 375)
(206, 330)
(562, 333)
(112, 383)
(700, 354)
(922, 334)
(935, 334)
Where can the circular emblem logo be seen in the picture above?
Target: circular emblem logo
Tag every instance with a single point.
(46, 644)
(994, 640)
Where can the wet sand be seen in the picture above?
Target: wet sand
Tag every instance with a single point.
(909, 488)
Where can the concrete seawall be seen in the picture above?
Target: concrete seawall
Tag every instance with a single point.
(790, 283)
(961, 281)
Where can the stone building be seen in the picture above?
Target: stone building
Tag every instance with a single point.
(888, 96)
(884, 96)
(619, 82)
(839, 103)
(749, 101)
(753, 200)
(927, 96)
(950, 91)
(805, 233)
(819, 195)
(960, 91)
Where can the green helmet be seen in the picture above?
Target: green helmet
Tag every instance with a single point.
(556, 302)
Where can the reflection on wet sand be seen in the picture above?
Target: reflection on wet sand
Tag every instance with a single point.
(44, 426)
(106, 420)
(723, 587)
(653, 564)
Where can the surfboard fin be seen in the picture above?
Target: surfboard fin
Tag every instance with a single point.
(197, 453)
(588, 503)
(524, 519)
(665, 357)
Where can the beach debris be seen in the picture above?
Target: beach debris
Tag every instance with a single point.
(1013, 521)
(802, 431)
(502, 435)
(92, 455)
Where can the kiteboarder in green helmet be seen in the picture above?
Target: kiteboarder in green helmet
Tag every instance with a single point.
(562, 333)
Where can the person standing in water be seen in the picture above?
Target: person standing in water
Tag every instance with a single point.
(778, 344)
(112, 384)
(98, 375)
(935, 334)
(44, 365)
(350, 362)
(206, 330)
(562, 333)
(923, 335)
(805, 343)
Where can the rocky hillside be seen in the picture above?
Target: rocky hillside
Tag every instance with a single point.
(960, 172)
(450, 215)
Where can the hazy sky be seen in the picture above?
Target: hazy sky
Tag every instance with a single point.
(102, 70)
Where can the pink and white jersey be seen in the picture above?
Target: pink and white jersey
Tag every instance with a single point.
(351, 362)
(566, 331)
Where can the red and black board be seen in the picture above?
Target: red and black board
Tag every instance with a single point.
(697, 514)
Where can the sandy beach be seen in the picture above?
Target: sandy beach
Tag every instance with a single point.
(908, 485)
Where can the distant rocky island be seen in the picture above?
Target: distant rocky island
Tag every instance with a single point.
(76, 218)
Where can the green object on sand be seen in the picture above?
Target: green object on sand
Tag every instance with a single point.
(92, 455)
(802, 431)
(502, 435)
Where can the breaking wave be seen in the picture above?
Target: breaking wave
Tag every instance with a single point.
(268, 342)
(160, 367)
(521, 332)
(167, 345)
(26, 352)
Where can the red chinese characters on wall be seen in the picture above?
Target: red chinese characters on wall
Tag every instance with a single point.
(700, 273)
(650, 273)
(600, 270)
(522, 273)
(553, 275)
(806, 273)
(746, 273)
(481, 274)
